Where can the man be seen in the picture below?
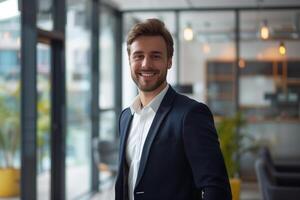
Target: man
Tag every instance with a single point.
(169, 146)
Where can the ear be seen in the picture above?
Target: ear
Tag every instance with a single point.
(169, 63)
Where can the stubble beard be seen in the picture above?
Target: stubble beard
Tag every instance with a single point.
(148, 88)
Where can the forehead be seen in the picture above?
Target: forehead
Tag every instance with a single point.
(148, 44)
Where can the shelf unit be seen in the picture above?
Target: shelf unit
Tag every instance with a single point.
(268, 89)
(220, 87)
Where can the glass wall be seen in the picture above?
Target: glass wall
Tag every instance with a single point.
(107, 58)
(45, 14)
(202, 57)
(78, 74)
(275, 73)
(269, 84)
(9, 94)
(44, 120)
(44, 67)
(108, 144)
(78, 82)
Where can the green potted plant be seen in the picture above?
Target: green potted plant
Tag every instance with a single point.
(43, 130)
(231, 134)
(9, 145)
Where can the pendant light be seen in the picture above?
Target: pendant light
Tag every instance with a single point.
(282, 49)
(264, 30)
(188, 33)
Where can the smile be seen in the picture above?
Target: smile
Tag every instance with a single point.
(147, 74)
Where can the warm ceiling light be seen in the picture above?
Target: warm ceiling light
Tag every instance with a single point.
(188, 33)
(206, 48)
(264, 30)
(282, 49)
(242, 63)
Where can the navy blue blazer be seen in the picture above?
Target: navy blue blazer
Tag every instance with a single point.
(181, 158)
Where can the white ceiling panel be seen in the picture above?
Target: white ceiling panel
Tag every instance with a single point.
(157, 4)
(220, 25)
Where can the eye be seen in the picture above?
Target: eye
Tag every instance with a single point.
(138, 57)
(156, 56)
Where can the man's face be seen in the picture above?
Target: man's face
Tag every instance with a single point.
(149, 63)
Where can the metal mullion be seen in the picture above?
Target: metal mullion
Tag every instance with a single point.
(58, 121)
(237, 58)
(58, 108)
(118, 62)
(95, 80)
(28, 101)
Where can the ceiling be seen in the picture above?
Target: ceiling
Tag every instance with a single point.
(219, 26)
(183, 4)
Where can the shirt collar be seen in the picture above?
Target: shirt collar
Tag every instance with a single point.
(154, 103)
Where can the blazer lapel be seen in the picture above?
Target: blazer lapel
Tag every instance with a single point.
(162, 112)
(126, 121)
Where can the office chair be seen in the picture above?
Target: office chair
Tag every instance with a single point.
(105, 154)
(269, 186)
(280, 167)
(286, 173)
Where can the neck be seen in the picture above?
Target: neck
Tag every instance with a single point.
(146, 97)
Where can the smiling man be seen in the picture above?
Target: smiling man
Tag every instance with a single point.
(169, 145)
(149, 66)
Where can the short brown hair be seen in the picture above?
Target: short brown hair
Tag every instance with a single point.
(151, 27)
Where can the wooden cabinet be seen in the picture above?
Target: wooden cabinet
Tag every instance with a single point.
(267, 89)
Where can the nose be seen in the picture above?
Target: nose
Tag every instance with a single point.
(146, 62)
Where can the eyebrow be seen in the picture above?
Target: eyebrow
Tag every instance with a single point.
(156, 52)
(137, 52)
(153, 52)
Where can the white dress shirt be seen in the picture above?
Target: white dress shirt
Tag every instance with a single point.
(142, 120)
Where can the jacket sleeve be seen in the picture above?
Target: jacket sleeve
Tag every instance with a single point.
(204, 155)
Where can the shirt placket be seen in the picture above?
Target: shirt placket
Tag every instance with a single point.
(141, 133)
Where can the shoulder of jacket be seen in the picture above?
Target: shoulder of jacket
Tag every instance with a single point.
(124, 112)
(189, 102)
(189, 105)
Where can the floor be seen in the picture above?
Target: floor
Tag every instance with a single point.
(249, 191)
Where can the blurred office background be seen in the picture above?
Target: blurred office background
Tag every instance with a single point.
(64, 79)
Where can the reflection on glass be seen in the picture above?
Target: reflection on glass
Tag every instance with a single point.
(108, 125)
(44, 15)
(107, 59)
(9, 98)
(108, 149)
(274, 74)
(269, 83)
(108, 145)
(78, 66)
(43, 120)
(208, 60)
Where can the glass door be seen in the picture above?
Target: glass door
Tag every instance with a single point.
(44, 88)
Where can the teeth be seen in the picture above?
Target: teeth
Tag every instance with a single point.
(147, 74)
